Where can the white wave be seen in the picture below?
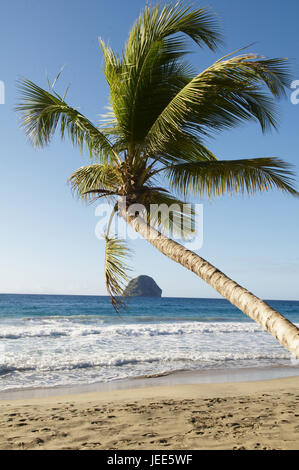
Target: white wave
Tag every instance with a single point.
(67, 350)
(64, 327)
(71, 364)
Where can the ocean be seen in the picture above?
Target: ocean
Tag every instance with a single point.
(53, 340)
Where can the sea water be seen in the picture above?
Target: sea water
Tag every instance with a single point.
(52, 340)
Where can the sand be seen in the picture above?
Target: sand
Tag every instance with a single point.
(248, 415)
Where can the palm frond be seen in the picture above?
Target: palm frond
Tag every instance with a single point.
(41, 112)
(150, 71)
(95, 179)
(157, 22)
(215, 178)
(139, 94)
(183, 147)
(116, 277)
(222, 96)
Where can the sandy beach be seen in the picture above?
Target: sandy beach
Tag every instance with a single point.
(248, 415)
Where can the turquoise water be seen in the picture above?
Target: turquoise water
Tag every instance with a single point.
(49, 340)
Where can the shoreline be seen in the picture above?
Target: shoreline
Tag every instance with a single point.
(167, 379)
(260, 415)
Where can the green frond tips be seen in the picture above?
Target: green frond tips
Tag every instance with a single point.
(42, 112)
(184, 147)
(158, 22)
(215, 178)
(99, 178)
(116, 276)
(222, 96)
(149, 72)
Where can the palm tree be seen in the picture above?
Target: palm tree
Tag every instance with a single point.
(150, 149)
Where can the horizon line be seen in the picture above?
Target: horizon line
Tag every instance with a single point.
(166, 297)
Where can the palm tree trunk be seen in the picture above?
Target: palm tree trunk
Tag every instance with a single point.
(278, 326)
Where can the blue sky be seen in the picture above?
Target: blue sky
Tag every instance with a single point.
(47, 237)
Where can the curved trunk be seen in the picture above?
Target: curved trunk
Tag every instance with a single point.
(278, 326)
